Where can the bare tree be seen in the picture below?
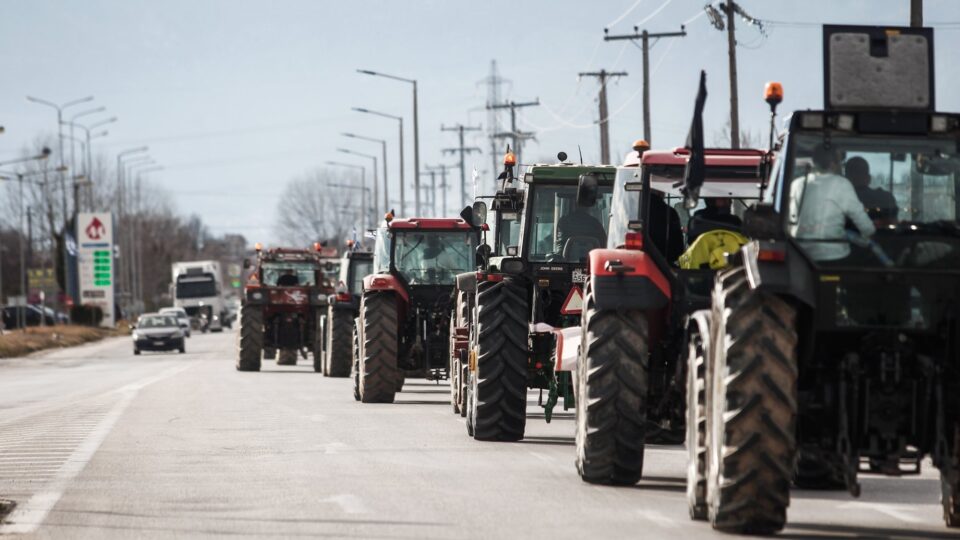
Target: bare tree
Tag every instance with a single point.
(748, 138)
(313, 208)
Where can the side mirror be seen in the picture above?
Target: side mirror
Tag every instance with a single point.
(587, 189)
(247, 264)
(479, 213)
(483, 255)
(467, 215)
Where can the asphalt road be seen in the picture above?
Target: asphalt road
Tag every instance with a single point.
(98, 443)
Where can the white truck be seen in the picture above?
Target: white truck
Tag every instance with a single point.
(197, 287)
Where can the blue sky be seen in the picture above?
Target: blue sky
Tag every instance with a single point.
(235, 97)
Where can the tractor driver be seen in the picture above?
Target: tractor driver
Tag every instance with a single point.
(288, 279)
(581, 225)
(821, 202)
(879, 204)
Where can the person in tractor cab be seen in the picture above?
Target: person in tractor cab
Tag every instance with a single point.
(880, 205)
(580, 229)
(664, 228)
(288, 279)
(821, 202)
(717, 215)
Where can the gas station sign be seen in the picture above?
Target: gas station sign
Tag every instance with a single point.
(95, 262)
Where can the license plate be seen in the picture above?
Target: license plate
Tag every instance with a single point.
(579, 276)
(158, 343)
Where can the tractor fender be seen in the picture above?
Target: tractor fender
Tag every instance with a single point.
(627, 279)
(385, 283)
(779, 267)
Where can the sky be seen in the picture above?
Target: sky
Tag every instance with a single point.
(235, 98)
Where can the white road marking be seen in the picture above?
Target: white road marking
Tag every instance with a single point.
(350, 504)
(902, 513)
(29, 515)
(657, 518)
(334, 448)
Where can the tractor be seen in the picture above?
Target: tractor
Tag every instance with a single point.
(284, 299)
(832, 344)
(525, 311)
(403, 325)
(336, 358)
(655, 271)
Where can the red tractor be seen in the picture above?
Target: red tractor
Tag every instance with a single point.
(403, 327)
(657, 271)
(283, 301)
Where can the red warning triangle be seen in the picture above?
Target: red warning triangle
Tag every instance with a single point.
(573, 305)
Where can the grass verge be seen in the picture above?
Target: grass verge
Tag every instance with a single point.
(15, 343)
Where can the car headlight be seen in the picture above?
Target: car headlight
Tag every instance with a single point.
(136, 336)
(216, 317)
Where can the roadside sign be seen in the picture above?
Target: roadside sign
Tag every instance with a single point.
(95, 261)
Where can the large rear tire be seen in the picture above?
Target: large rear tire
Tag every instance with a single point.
(355, 350)
(752, 408)
(950, 481)
(612, 395)
(378, 372)
(698, 341)
(250, 338)
(499, 401)
(339, 357)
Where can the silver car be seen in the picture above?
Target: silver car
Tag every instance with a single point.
(182, 318)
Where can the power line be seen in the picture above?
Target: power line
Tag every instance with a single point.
(516, 136)
(602, 76)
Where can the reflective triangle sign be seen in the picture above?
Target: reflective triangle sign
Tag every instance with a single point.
(573, 305)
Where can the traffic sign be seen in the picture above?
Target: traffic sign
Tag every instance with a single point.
(573, 305)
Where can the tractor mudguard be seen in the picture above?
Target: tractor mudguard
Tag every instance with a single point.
(385, 282)
(254, 295)
(779, 267)
(467, 282)
(627, 279)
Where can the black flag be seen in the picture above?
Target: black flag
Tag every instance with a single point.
(696, 166)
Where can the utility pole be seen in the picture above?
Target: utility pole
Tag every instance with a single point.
(729, 7)
(604, 122)
(916, 13)
(493, 82)
(644, 38)
(443, 183)
(515, 135)
(431, 199)
(462, 150)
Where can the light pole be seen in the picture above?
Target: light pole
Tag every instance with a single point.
(416, 131)
(376, 194)
(363, 194)
(73, 162)
(386, 185)
(138, 225)
(121, 195)
(60, 109)
(87, 158)
(399, 119)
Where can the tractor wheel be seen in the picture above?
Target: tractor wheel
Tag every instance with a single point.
(250, 338)
(697, 344)
(612, 395)
(454, 361)
(950, 481)
(464, 381)
(400, 381)
(819, 470)
(319, 342)
(379, 376)
(339, 355)
(287, 357)
(753, 407)
(499, 401)
(355, 350)
(269, 353)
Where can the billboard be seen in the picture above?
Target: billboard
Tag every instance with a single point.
(95, 263)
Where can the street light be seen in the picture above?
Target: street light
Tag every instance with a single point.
(416, 131)
(363, 184)
(121, 196)
(137, 252)
(383, 144)
(44, 154)
(399, 119)
(60, 109)
(376, 194)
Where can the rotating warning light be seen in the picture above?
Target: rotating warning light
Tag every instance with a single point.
(509, 160)
(773, 93)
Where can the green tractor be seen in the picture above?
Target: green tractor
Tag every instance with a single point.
(523, 320)
(833, 351)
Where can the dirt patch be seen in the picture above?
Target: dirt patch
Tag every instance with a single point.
(15, 343)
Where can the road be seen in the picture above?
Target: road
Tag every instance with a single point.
(98, 443)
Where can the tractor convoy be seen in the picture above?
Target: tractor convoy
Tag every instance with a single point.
(788, 313)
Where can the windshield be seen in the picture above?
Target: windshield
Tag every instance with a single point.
(331, 271)
(176, 312)
(361, 269)
(433, 257)
(156, 322)
(196, 286)
(381, 251)
(848, 189)
(560, 230)
(289, 274)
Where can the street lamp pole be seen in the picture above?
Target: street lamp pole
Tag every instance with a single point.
(399, 119)
(363, 194)
(416, 131)
(121, 207)
(60, 109)
(138, 246)
(386, 184)
(376, 195)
